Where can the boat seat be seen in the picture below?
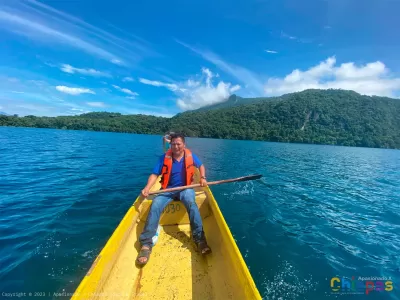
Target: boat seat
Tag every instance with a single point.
(175, 212)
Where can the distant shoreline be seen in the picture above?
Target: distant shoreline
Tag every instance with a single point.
(201, 137)
(322, 117)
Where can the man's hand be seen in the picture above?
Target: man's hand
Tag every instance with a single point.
(203, 182)
(150, 182)
(145, 192)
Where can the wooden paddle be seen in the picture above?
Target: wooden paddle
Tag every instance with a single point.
(244, 178)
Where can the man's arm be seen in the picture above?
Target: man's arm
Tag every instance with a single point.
(153, 177)
(150, 182)
(203, 180)
(198, 164)
(202, 170)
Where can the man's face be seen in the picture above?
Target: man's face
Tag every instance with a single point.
(177, 146)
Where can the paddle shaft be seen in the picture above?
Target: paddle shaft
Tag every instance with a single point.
(244, 178)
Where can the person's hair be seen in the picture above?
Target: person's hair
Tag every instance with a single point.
(168, 134)
(177, 135)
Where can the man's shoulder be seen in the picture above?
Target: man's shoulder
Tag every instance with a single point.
(192, 153)
(158, 166)
(196, 160)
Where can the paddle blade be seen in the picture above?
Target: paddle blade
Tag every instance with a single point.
(251, 177)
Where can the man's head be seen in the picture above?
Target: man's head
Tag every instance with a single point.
(167, 135)
(177, 143)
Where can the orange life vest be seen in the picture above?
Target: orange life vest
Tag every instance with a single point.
(167, 167)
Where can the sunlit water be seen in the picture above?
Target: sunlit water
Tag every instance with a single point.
(318, 212)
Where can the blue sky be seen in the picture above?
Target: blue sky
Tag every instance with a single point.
(165, 57)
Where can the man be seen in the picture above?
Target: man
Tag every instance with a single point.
(167, 141)
(177, 168)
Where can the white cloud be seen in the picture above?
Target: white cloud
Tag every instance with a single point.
(128, 79)
(369, 79)
(12, 79)
(39, 30)
(126, 91)
(193, 94)
(42, 23)
(271, 51)
(48, 108)
(96, 104)
(287, 36)
(171, 86)
(235, 88)
(47, 102)
(74, 91)
(38, 83)
(295, 38)
(91, 72)
(251, 80)
(116, 61)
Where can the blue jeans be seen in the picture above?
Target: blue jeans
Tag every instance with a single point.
(187, 197)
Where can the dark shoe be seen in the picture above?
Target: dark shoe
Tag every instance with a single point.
(203, 248)
(143, 253)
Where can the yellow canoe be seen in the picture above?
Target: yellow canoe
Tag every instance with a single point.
(176, 270)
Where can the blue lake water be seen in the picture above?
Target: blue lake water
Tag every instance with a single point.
(318, 212)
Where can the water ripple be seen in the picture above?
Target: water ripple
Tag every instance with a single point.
(318, 211)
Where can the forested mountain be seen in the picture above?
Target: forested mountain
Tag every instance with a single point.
(333, 117)
(234, 100)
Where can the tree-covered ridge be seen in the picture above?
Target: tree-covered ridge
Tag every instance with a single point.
(94, 121)
(333, 117)
(235, 100)
(313, 116)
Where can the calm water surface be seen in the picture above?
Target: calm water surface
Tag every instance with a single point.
(318, 212)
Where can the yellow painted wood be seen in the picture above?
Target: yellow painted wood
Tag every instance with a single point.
(175, 269)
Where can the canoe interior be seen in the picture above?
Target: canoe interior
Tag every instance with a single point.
(175, 269)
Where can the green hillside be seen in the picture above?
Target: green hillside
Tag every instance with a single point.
(313, 116)
(333, 117)
(232, 101)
